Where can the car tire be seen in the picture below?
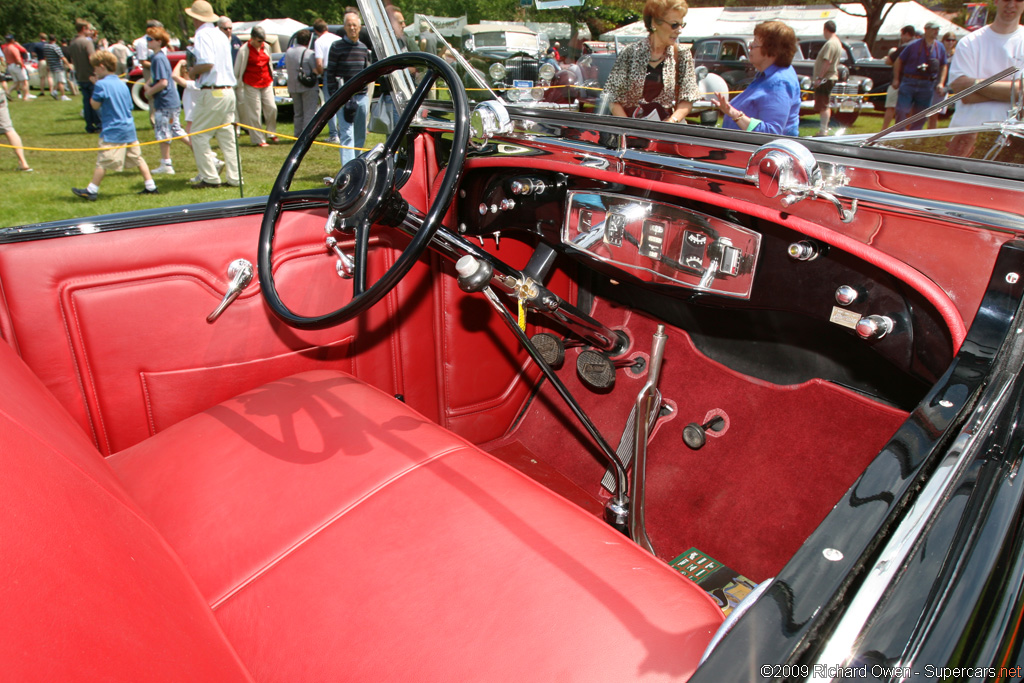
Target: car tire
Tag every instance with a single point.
(138, 98)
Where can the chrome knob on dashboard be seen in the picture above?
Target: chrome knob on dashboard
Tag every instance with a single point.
(846, 295)
(874, 326)
(804, 250)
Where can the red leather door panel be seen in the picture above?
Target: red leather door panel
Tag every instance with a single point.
(114, 322)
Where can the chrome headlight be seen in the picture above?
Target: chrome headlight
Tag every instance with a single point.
(280, 78)
(469, 44)
(805, 83)
(497, 71)
(547, 72)
(866, 86)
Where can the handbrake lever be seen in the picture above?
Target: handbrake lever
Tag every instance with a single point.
(475, 276)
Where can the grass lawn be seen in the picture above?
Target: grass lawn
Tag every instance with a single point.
(69, 159)
(65, 158)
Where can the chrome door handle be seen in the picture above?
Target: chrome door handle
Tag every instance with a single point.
(240, 271)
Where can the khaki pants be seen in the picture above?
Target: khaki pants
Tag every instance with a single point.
(252, 102)
(214, 108)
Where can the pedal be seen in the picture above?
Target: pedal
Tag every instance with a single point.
(550, 347)
(595, 369)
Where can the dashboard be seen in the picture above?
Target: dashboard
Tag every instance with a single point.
(743, 287)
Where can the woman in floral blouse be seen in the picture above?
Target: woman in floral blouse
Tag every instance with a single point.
(654, 78)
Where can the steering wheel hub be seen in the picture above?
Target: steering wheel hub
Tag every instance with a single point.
(352, 187)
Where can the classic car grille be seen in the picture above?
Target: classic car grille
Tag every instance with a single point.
(522, 69)
(846, 88)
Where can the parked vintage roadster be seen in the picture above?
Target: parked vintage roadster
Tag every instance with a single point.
(524, 394)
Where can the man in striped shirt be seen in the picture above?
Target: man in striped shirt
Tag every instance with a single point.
(346, 58)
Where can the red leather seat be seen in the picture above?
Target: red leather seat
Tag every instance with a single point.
(314, 529)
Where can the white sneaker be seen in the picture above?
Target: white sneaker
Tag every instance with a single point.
(333, 140)
(65, 98)
(30, 96)
(220, 165)
(196, 179)
(163, 169)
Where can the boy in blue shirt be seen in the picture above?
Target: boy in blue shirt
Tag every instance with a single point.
(163, 98)
(118, 141)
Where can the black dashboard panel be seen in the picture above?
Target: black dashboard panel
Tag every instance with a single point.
(788, 291)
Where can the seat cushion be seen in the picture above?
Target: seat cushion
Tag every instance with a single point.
(339, 535)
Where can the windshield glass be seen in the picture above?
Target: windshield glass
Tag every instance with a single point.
(509, 39)
(860, 50)
(572, 75)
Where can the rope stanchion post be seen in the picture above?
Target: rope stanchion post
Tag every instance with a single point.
(238, 159)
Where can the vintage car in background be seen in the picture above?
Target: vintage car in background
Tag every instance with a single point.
(506, 55)
(727, 56)
(526, 394)
(857, 59)
(135, 79)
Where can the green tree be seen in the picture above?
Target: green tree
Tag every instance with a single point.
(27, 19)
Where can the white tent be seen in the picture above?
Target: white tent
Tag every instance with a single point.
(806, 21)
(278, 31)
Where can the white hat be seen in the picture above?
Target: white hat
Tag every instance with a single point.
(201, 10)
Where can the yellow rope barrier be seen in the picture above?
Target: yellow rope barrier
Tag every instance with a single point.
(179, 137)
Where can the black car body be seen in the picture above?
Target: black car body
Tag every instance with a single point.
(363, 431)
(507, 56)
(856, 57)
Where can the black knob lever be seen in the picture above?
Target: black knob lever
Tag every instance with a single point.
(695, 435)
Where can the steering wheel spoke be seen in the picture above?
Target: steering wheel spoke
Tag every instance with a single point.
(363, 191)
(360, 256)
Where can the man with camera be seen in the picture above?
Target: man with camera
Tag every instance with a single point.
(921, 66)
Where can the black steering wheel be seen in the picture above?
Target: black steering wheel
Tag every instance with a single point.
(364, 191)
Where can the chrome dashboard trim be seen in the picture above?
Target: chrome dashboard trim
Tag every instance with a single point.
(855, 169)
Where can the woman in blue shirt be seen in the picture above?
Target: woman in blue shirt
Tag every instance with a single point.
(771, 103)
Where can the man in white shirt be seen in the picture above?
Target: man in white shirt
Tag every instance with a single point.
(214, 106)
(980, 55)
(322, 41)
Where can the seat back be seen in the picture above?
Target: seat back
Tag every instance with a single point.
(90, 590)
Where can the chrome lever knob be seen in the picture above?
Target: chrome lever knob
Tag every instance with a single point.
(874, 326)
(240, 271)
(345, 267)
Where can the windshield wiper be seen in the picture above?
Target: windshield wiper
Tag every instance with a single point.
(925, 113)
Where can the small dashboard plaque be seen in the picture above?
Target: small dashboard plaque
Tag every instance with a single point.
(841, 316)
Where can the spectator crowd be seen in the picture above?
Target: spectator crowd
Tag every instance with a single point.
(225, 80)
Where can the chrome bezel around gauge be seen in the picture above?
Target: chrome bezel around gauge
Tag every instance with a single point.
(658, 242)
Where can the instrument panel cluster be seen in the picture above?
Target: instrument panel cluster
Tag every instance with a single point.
(651, 240)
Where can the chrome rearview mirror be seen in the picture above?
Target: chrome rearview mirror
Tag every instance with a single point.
(787, 168)
(488, 119)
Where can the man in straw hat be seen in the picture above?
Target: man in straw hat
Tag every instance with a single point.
(214, 75)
